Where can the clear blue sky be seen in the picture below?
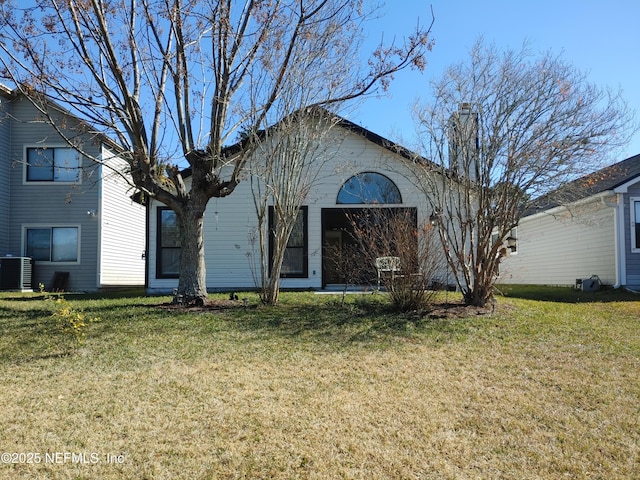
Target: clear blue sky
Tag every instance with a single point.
(601, 38)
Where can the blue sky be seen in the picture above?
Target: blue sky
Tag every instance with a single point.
(600, 38)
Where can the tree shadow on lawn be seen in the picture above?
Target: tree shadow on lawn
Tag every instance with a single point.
(30, 335)
(367, 320)
(334, 322)
(560, 294)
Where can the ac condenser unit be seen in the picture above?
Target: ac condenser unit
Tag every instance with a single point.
(588, 284)
(16, 273)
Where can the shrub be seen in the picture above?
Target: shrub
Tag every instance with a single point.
(72, 322)
(414, 251)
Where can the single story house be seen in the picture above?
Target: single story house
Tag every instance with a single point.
(596, 233)
(364, 171)
(66, 222)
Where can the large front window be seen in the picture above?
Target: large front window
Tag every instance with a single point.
(168, 253)
(295, 256)
(52, 244)
(53, 164)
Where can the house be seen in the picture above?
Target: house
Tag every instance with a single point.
(363, 172)
(72, 218)
(594, 229)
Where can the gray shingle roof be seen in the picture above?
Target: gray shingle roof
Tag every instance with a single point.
(607, 178)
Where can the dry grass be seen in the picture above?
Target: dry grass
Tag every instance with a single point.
(538, 390)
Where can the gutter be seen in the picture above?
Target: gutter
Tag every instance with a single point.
(560, 208)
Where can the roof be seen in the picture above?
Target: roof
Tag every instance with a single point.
(611, 177)
(379, 140)
(603, 180)
(88, 130)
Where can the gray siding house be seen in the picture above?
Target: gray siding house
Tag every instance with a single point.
(73, 217)
(597, 232)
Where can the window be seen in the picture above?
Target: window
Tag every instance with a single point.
(52, 244)
(295, 263)
(53, 164)
(369, 188)
(512, 241)
(635, 224)
(168, 244)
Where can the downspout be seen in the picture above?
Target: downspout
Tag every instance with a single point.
(618, 236)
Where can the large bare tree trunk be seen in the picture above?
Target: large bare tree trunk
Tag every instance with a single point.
(192, 284)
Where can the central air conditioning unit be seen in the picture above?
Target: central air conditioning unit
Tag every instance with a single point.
(16, 273)
(588, 284)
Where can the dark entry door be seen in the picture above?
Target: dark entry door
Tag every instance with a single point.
(339, 246)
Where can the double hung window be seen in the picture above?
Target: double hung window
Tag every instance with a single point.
(635, 224)
(295, 263)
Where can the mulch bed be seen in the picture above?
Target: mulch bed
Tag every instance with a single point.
(440, 311)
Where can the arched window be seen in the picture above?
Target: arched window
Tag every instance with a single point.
(369, 188)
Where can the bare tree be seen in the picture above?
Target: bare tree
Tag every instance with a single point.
(405, 253)
(503, 129)
(174, 81)
(290, 160)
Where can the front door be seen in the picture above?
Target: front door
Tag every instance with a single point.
(333, 251)
(341, 249)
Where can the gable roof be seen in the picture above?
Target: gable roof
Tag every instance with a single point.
(379, 140)
(47, 102)
(603, 180)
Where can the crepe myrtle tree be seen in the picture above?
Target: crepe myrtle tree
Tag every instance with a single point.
(499, 131)
(174, 81)
(290, 159)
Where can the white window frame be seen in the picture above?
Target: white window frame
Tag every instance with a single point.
(25, 177)
(42, 226)
(635, 248)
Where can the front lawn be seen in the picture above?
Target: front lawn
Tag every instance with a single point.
(316, 389)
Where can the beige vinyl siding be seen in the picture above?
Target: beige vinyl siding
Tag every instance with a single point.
(51, 204)
(122, 232)
(559, 247)
(231, 223)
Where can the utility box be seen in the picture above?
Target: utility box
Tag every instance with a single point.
(16, 273)
(588, 284)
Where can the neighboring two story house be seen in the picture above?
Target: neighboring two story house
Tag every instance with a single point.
(73, 218)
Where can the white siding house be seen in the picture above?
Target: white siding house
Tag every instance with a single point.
(122, 228)
(596, 234)
(558, 246)
(231, 251)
